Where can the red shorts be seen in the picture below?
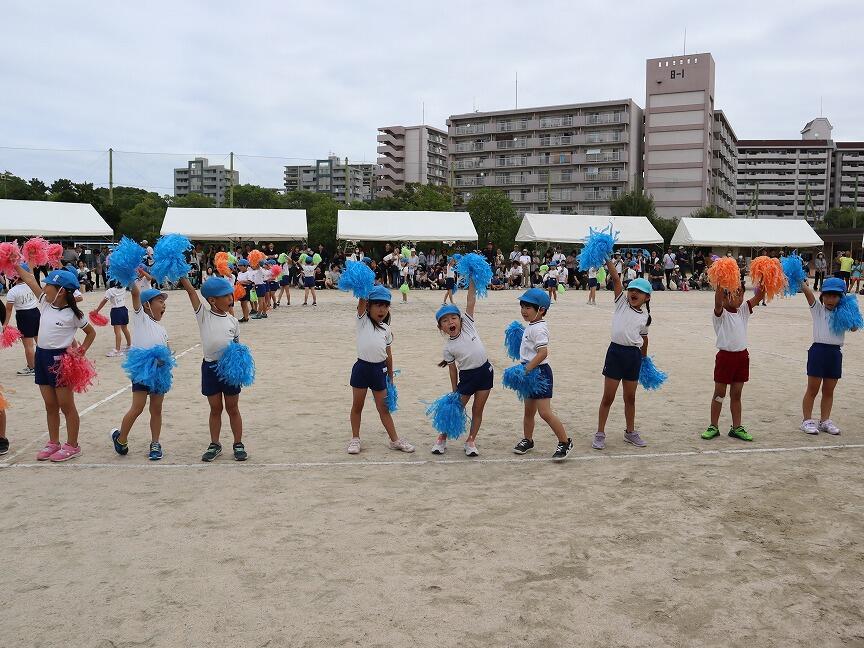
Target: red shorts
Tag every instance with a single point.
(732, 367)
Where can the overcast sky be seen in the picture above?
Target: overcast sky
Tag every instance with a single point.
(302, 79)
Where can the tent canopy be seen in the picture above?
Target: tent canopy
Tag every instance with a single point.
(215, 224)
(51, 219)
(363, 225)
(573, 228)
(740, 232)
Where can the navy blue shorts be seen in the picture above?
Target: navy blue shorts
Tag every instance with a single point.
(211, 383)
(261, 290)
(551, 283)
(138, 387)
(369, 375)
(824, 361)
(308, 282)
(28, 322)
(285, 280)
(473, 380)
(45, 360)
(449, 283)
(546, 370)
(119, 316)
(622, 362)
(592, 282)
(246, 297)
(273, 286)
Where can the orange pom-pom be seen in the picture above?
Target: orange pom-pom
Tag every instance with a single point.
(3, 402)
(221, 263)
(724, 273)
(239, 291)
(769, 273)
(255, 258)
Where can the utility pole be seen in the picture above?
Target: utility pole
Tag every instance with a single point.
(110, 176)
(231, 180)
(549, 191)
(855, 208)
(754, 202)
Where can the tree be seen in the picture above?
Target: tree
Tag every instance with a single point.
(249, 196)
(144, 220)
(711, 211)
(841, 218)
(63, 190)
(14, 188)
(192, 200)
(633, 203)
(413, 197)
(494, 217)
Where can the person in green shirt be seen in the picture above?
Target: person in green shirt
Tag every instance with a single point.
(845, 272)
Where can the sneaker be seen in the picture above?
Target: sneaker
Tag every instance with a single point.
(401, 445)
(213, 451)
(114, 353)
(711, 432)
(523, 446)
(599, 442)
(809, 426)
(354, 445)
(825, 426)
(155, 451)
(4, 445)
(563, 450)
(633, 438)
(440, 446)
(240, 453)
(740, 432)
(45, 453)
(65, 453)
(119, 448)
(471, 450)
(256, 316)
(245, 319)
(26, 371)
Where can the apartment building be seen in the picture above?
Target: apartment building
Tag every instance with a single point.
(847, 182)
(343, 181)
(568, 159)
(724, 165)
(198, 176)
(410, 154)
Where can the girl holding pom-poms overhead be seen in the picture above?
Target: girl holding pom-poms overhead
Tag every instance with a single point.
(21, 298)
(219, 330)
(59, 377)
(116, 296)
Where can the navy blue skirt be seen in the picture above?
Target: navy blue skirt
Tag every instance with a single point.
(119, 316)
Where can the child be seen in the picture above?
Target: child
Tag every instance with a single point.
(307, 267)
(550, 282)
(732, 364)
(592, 286)
(534, 353)
(405, 272)
(22, 299)
(218, 329)
(624, 357)
(148, 307)
(4, 442)
(374, 365)
(116, 295)
(285, 282)
(257, 276)
(60, 319)
(514, 274)
(450, 280)
(824, 359)
(245, 277)
(466, 358)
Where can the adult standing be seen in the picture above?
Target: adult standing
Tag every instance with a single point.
(845, 262)
(668, 266)
(515, 254)
(525, 262)
(432, 258)
(684, 262)
(820, 266)
(698, 263)
(100, 266)
(489, 253)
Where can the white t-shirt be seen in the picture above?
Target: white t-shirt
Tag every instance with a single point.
(731, 328)
(466, 349)
(822, 332)
(21, 297)
(514, 255)
(515, 272)
(628, 324)
(558, 257)
(525, 260)
(257, 276)
(147, 332)
(534, 338)
(372, 341)
(286, 268)
(551, 274)
(451, 272)
(116, 297)
(217, 332)
(592, 273)
(309, 270)
(668, 261)
(57, 326)
(562, 274)
(404, 271)
(244, 276)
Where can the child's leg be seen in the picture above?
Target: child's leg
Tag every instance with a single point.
(717, 406)
(116, 338)
(480, 399)
(232, 406)
(386, 419)
(30, 351)
(125, 329)
(305, 295)
(357, 400)
(287, 295)
(314, 296)
(52, 412)
(544, 408)
(66, 401)
(610, 386)
(245, 306)
(156, 416)
(735, 402)
(528, 418)
(139, 400)
(828, 386)
(813, 384)
(628, 389)
(2, 424)
(215, 420)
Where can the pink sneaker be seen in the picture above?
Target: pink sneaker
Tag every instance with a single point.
(45, 453)
(65, 453)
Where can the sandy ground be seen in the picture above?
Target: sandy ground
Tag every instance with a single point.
(683, 543)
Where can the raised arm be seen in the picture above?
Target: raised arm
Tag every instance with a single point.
(718, 301)
(136, 295)
(756, 299)
(28, 278)
(808, 293)
(472, 299)
(616, 278)
(361, 307)
(190, 290)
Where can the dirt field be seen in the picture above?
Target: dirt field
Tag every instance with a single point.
(683, 543)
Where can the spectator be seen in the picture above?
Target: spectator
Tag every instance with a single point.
(525, 262)
(820, 266)
(514, 275)
(668, 266)
(656, 277)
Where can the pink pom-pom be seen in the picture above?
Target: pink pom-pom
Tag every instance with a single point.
(97, 319)
(9, 337)
(275, 271)
(55, 255)
(35, 251)
(75, 371)
(10, 256)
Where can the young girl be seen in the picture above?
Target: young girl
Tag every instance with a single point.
(592, 286)
(285, 282)
(449, 280)
(116, 295)
(405, 279)
(22, 299)
(307, 267)
(245, 278)
(732, 364)
(465, 356)
(550, 282)
(218, 329)
(824, 359)
(374, 365)
(60, 319)
(855, 282)
(148, 307)
(629, 345)
(534, 353)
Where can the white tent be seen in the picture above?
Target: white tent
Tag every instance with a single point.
(363, 225)
(740, 232)
(573, 228)
(214, 224)
(51, 219)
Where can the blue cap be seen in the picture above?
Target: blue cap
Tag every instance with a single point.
(151, 293)
(640, 284)
(834, 284)
(242, 262)
(379, 293)
(539, 298)
(366, 260)
(63, 279)
(216, 287)
(449, 309)
(24, 266)
(552, 264)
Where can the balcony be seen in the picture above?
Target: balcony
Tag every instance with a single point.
(463, 147)
(556, 122)
(557, 196)
(470, 181)
(510, 126)
(470, 164)
(512, 161)
(603, 176)
(471, 129)
(604, 196)
(512, 179)
(604, 138)
(512, 144)
(606, 156)
(564, 158)
(604, 118)
(563, 140)
(398, 154)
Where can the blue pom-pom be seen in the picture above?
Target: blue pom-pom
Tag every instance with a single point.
(598, 247)
(236, 367)
(474, 267)
(151, 367)
(123, 262)
(846, 315)
(448, 415)
(513, 338)
(794, 270)
(357, 278)
(650, 377)
(392, 397)
(525, 385)
(169, 261)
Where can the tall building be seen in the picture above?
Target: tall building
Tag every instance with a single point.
(724, 165)
(343, 181)
(567, 159)
(415, 154)
(847, 183)
(198, 176)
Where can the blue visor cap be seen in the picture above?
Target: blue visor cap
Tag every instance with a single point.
(539, 298)
(640, 284)
(63, 279)
(151, 293)
(379, 293)
(834, 284)
(216, 287)
(449, 309)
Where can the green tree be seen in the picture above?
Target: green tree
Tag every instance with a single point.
(494, 217)
(841, 218)
(125, 198)
(191, 200)
(249, 196)
(633, 203)
(144, 220)
(14, 188)
(711, 211)
(64, 190)
(413, 197)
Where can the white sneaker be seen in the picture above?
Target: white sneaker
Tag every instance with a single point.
(809, 426)
(440, 447)
(354, 445)
(828, 426)
(26, 371)
(471, 450)
(401, 445)
(113, 353)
